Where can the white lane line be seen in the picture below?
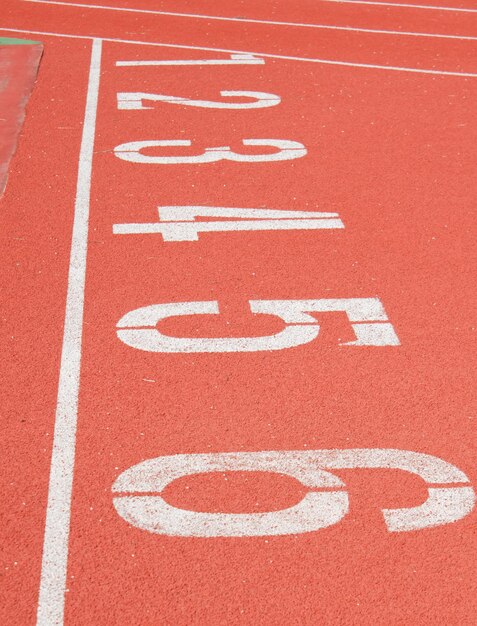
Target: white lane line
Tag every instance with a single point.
(58, 514)
(251, 21)
(392, 68)
(402, 6)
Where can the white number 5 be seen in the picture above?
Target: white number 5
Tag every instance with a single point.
(132, 151)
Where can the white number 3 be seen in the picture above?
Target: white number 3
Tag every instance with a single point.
(132, 151)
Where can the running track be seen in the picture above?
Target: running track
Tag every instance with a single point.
(310, 386)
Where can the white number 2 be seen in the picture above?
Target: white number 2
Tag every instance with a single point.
(260, 100)
(132, 151)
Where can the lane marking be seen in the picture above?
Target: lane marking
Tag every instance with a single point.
(236, 59)
(178, 223)
(368, 319)
(252, 21)
(138, 492)
(402, 6)
(55, 548)
(259, 54)
(134, 100)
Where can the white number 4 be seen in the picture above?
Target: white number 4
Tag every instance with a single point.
(178, 223)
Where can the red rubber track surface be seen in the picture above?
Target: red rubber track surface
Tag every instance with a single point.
(358, 47)
(394, 154)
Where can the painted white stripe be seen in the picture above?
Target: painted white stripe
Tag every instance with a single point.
(402, 6)
(236, 59)
(392, 68)
(58, 514)
(252, 21)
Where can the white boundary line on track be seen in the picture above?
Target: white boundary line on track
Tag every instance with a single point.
(266, 55)
(402, 6)
(58, 514)
(252, 21)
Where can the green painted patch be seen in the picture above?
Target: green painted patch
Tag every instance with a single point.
(9, 41)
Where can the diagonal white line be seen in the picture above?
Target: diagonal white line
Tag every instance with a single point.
(267, 55)
(58, 514)
(253, 21)
(403, 6)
